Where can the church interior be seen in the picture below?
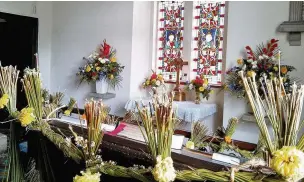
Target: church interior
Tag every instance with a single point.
(158, 91)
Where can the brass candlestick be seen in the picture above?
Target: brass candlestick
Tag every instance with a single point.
(179, 95)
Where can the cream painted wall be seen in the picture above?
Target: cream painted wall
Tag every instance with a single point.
(78, 28)
(250, 23)
(44, 15)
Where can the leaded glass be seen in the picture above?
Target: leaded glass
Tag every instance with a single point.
(208, 32)
(170, 33)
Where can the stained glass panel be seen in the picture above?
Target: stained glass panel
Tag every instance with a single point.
(208, 41)
(170, 34)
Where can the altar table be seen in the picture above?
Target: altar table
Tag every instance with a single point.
(185, 110)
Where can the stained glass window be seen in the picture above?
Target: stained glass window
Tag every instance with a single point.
(170, 37)
(208, 39)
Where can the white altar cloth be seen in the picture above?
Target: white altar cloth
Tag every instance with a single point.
(185, 110)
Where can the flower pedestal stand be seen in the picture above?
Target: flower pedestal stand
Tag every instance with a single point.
(102, 86)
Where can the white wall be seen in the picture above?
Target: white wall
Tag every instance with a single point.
(44, 15)
(251, 23)
(78, 28)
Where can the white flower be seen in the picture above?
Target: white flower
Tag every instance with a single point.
(191, 86)
(164, 170)
(94, 57)
(261, 57)
(106, 60)
(101, 60)
(254, 64)
(249, 60)
(157, 83)
(265, 56)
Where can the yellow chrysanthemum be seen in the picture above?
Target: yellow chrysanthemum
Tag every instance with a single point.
(98, 68)
(190, 145)
(250, 73)
(67, 112)
(26, 116)
(111, 77)
(87, 177)
(201, 89)
(4, 100)
(289, 163)
(148, 82)
(88, 68)
(113, 59)
(239, 61)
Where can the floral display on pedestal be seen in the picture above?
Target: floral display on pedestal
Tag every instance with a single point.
(201, 87)
(101, 67)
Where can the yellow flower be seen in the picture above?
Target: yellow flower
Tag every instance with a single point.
(67, 112)
(250, 73)
(4, 100)
(26, 116)
(275, 68)
(160, 77)
(87, 177)
(240, 61)
(111, 77)
(289, 163)
(113, 59)
(88, 68)
(190, 145)
(201, 89)
(284, 70)
(98, 68)
(227, 139)
(148, 82)
(153, 81)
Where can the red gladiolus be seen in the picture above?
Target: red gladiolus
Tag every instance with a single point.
(264, 50)
(273, 41)
(247, 47)
(275, 45)
(270, 54)
(106, 49)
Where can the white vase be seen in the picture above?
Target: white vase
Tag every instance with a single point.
(102, 86)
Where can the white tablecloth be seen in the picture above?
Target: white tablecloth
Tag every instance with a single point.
(186, 110)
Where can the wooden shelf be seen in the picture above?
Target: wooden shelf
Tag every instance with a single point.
(102, 96)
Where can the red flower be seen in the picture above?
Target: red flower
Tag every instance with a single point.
(270, 54)
(153, 76)
(106, 49)
(248, 48)
(94, 74)
(264, 50)
(273, 41)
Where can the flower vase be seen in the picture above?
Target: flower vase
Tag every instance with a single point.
(102, 86)
(197, 98)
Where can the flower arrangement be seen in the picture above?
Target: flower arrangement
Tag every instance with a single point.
(102, 65)
(155, 80)
(264, 61)
(201, 87)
